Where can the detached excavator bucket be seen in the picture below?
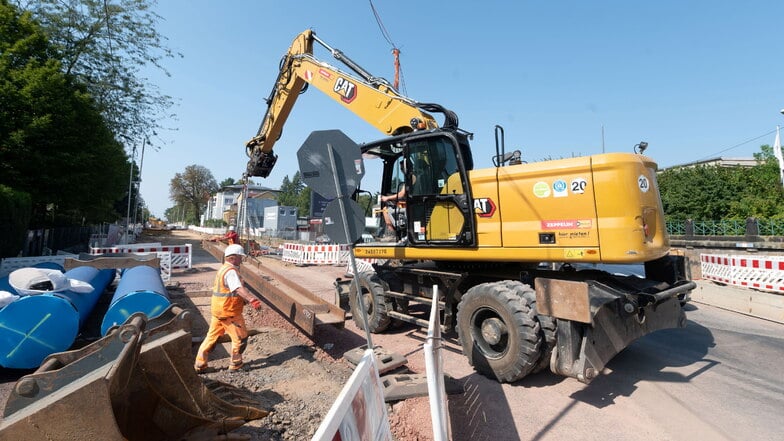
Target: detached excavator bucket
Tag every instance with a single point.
(130, 385)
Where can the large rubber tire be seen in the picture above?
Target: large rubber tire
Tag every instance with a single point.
(375, 305)
(548, 326)
(498, 330)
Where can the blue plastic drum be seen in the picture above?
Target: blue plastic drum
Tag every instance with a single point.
(140, 290)
(36, 326)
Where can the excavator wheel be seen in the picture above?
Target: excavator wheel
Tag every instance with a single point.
(373, 290)
(546, 323)
(499, 332)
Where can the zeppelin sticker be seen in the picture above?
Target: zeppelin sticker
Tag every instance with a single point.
(566, 224)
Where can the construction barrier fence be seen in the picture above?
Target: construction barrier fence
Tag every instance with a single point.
(9, 264)
(764, 273)
(300, 254)
(181, 255)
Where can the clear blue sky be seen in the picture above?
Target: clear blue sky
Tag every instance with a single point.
(695, 79)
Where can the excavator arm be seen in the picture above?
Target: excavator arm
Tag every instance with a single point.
(371, 98)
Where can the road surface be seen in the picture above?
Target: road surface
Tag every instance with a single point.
(720, 378)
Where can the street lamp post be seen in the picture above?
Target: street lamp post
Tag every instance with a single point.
(130, 193)
(139, 184)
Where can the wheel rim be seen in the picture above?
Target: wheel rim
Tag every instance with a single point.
(490, 333)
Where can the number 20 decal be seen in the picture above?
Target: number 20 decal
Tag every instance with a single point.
(643, 184)
(578, 185)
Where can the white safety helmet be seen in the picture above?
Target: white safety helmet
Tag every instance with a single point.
(231, 227)
(234, 249)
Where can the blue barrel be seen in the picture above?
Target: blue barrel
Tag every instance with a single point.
(36, 326)
(140, 290)
(85, 302)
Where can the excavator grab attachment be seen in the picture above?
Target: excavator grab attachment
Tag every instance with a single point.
(132, 384)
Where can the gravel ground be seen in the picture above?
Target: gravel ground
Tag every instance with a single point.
(295, 377)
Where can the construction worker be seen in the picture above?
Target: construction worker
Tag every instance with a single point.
(228, 298)
(231, 237)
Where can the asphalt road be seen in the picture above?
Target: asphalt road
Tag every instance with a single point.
(720, 378)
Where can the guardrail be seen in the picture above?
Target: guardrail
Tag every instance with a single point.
(725, 227)
(765, 273)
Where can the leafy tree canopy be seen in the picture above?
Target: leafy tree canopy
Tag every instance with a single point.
(54, 143)
(714, 193)
(190, 191)
(104, 44)
(294, 193)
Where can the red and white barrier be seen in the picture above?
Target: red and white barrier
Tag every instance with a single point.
(181, 255)
(292, 253)
(9, 264)
(765, 273)
(300, 254)
(363, 265)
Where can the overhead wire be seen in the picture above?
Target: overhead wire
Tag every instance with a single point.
(713, 155)
(395, 50)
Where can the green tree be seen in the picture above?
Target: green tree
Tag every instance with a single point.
(226, 182)
(14, 220)
(294, 193)
(104, 44)
(54, 143)
(715, 193)
(190, 190)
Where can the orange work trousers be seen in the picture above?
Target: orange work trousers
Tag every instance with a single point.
(235, 328)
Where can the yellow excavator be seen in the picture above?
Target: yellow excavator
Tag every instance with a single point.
(515, 249)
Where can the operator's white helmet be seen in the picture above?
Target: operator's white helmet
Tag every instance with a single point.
(234, 249)
(231, 227)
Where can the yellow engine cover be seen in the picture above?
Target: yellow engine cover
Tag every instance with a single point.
(602, 208)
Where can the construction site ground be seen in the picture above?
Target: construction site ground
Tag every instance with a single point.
(714, 379)
(294, 376)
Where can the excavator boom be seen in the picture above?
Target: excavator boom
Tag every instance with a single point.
(371, 98)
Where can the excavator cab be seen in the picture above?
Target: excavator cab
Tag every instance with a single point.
(438, 203)
(438, 196)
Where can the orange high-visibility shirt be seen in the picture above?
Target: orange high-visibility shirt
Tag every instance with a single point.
(224, 302)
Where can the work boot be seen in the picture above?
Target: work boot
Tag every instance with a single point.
(236, 362)
(200, 366)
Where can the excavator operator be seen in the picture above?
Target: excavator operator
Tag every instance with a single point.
(396, 203)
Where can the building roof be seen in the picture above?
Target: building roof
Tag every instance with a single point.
(720, 161)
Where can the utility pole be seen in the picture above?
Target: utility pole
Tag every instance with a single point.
(139, 185)
(130, 194)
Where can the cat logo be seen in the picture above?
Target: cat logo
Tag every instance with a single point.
(346, 89)
(484, 207)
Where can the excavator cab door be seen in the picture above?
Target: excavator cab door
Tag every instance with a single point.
(438, 196)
